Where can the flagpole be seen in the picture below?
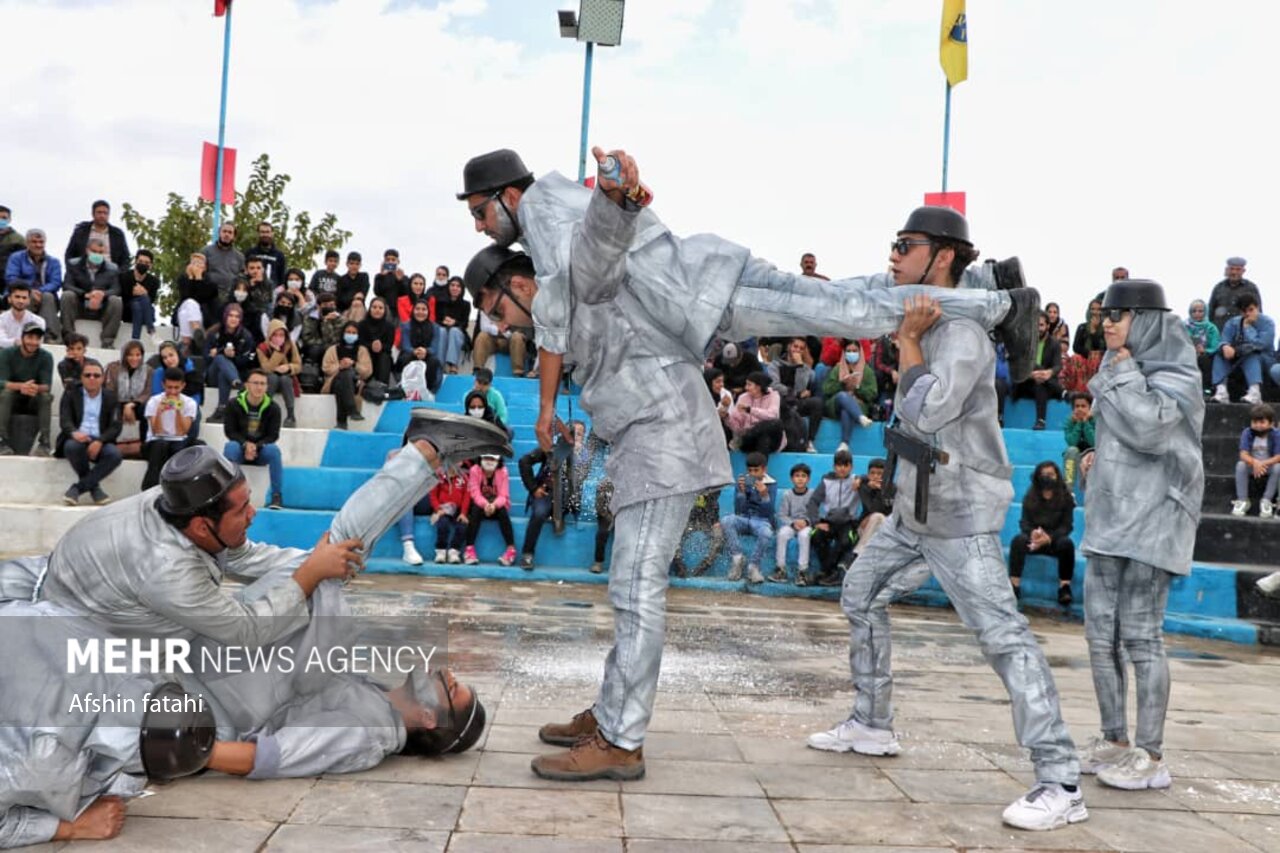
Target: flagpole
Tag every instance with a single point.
(946, 138)
(586, 114)
(222, 122)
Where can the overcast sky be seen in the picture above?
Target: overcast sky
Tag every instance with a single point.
(1089, 134)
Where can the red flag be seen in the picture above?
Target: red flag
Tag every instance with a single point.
(220, 7)
(209, 173)
(955, 201)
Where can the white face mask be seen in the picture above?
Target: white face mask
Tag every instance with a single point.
(489, 465)
(476, 412)
(442, 281)
(852, 357)
(241, 296)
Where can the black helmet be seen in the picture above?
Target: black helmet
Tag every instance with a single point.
(195, 478)
(937, 221)
(483, 266)
(1137, 293)
(456, 729)
(492, 171)
(177, 733)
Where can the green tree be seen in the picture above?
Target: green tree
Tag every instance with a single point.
(185, 227)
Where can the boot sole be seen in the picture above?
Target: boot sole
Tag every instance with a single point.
(617, 774)
(481, 436)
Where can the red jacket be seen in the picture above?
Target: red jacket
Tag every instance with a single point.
(452, 491)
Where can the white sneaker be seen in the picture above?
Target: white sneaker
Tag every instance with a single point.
(1136, 772)
(853, 736)
(1253, 396)
(454, 557)
(1270, 585)
(864, 420)
(842, 446)
(1220, 394)
(1239, 508)
(441, 554)
(809, 448)
(1046, 806)
(411, 555)
(1099, 754)
(735, 567)
(1266, 509)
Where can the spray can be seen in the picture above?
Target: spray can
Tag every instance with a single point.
(611, 170)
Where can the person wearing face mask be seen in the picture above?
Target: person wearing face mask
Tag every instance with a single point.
(490, 489)
(346, 367)
(304, 300)
(278, 355)
(92, 291)
(1048, 512)
(10, 240)
(1141, 507)
(849, 391)
(285, 310)
(1205, 337)
(224, 263)
(139, 289)
(116, 247)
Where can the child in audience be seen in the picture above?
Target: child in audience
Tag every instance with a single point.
(490, 491)
(754, 500)
(877, 506)
(704, 518)
(1048, 512)
(1259, 458)
(793, 523)
(483, 378)
(1079, 430)
(831, 512)
(69, 367)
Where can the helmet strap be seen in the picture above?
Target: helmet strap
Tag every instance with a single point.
(213, 531)
(933, 256)
(510, 215)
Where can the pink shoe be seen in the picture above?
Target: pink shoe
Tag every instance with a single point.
(508, 556)
(469, 556)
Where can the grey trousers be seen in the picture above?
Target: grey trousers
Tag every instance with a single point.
(73, 308)
(972, 572)
(1244, 473)
(645, 538)
(1124, 603)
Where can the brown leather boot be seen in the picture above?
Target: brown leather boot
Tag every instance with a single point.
(567, 734)
(591, 758)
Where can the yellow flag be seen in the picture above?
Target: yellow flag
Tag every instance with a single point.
(954, 50)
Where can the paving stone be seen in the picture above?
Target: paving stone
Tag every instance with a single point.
(951, 786)
(668, 845)
(1173, 831)
(1227, 795)
(580, 814)
(1246, 766)
(511, 770)
(700, 818)
(190, 835)
(434, 770)
(770, 750)
(842, 822)
(513, 739)
(696, 778)
(1262, 831)
(691, 747)
(476, 842)
(384, 804)
(221, 797)
(796, 781)
(295, 838)
(681, 720)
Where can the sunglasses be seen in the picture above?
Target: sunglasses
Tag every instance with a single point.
(1115, 315)
(902, 245)
(477, 212)
(90, 375)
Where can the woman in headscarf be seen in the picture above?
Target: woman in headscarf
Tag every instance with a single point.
(278, 355)
(416, 339)
(1048, 515)
(378, 335)
(1205, 338)
(417, 290)
(1090, 343)
(1142, 506)
(346, 367)
(230, 354)
(130, 380)
(450, 313)
(849, 391)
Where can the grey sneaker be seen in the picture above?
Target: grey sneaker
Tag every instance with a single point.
(100, 497)
(753, 574)
(41, 451)
(457, 437)
(71, 497)
(597, 567)
(735, 567)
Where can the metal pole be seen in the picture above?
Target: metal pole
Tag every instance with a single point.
(222, 123)
(586, 115)
(946, 139)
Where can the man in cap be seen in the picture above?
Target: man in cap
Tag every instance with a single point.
(26, 375)
(947, 431)
(636, 330)
(1224, 300)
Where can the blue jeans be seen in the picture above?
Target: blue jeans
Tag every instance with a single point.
(820, 372)
(447, 344)
(737, 525)
(143, 313)
(223, 373)
(849, 408)
(268, 454)
(539, 512)
(91, 473)
(1252, 366)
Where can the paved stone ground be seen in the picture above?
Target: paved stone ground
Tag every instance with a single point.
(743, 682)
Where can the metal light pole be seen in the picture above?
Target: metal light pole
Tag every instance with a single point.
(222, 123)
(597, 22)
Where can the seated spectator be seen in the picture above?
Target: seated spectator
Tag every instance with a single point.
(73, 362)
(714, 378)
(448, 505)
(279, 357)
(704, 519)
(326, 280)
(390, 284)
(197, 303)
(230, 353)
(170, 415)
(378, 335)
(99, 228)
(756, 417)
(489, 339)
(252, 428)
(490, 492)
(321, 330)
(475, 405)
(1089, 343)
(754, 502)
(417, 291)
(832, 513)
(89, 423)
(1259, 459)
(1002, 381)
(356, 310)
(11, 241)
(224, 265)
(129, 379)
(793, 523)
(261, 297)
(1048, 514)
(416, 342)
(792, 375)
(877, 505)
(604, 523)
(830, 351)
(351, 283)
(482, 378)
(1043, 385)
(1058, 328)
(346, 368)
(1224, 299)
(169, 355)
(266, 252)
(139, 290)
(13, 321)
(884, 358)
(849, 391)
(1206, 338)
(295, 284)
(1080, 433)
(440, 284)
(1248, 345)
(43, 275)
(737, 365)
(26, 377)
(285, 311)
(1071, 375)
(540, 486)
(450, 313)
(92, 291)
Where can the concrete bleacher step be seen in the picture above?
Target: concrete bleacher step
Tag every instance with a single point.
(1223, 538)
(42, 482)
